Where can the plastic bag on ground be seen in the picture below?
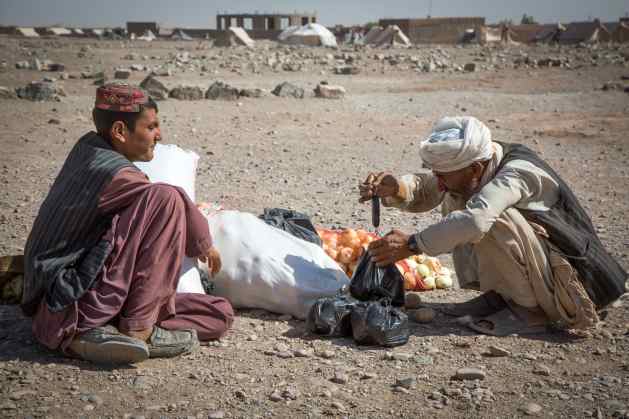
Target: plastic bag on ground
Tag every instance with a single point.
(268, 268)
(379, 323)
(370, 282)
(331, 316)
(295, 223)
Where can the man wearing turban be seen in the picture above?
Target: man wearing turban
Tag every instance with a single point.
(515, 230)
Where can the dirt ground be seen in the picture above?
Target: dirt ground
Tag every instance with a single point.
(309, 154)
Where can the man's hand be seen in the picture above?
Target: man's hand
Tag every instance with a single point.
(213, 259)
(383, 185)
(390, 248)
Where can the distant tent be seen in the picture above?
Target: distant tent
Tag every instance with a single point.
(78, 32)
(234, 36)
(489, 35)
(96, 32)
(392, 35)
(372, 34)
(57, 31)
(621, 34)
(497, 34)
(148, 36)
(27, 32)
(180, 35)
(587, 32)
(312, 34)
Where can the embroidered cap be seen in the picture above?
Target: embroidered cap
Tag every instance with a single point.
(120, 97)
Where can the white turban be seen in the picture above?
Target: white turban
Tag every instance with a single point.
(456, 142)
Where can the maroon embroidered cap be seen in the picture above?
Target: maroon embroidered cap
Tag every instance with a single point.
(120, 97)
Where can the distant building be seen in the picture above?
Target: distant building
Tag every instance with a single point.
(593, 31)
(140, 28)
(263, 26)
(438, 30)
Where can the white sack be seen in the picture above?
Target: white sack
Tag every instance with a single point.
(173, 165)
(268, 268)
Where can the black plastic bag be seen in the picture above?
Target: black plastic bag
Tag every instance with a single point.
(370, 282)
(379, 323)
(293, 222)
(331, 316)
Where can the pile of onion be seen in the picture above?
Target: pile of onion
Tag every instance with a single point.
(420, 272)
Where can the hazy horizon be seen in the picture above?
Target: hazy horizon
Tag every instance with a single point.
(200, 13)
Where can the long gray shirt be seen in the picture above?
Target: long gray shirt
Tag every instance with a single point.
(518, 184)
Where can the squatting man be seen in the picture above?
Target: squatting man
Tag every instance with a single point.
(515, 229)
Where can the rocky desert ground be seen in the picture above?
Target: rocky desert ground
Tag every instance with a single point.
(569, 103)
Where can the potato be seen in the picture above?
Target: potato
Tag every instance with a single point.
(443, 281)
(413, 300)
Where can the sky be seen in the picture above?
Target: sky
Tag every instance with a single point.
(201, 13)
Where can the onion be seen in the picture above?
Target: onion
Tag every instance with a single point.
(429, 282)
(409, 281)
(346, 254)
(348, 236)
(423, 270)
(444, 281)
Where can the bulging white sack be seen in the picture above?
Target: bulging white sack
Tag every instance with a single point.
(268, 268)
(175, 166)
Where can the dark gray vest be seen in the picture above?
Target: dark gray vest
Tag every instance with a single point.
(570, 229)
(64, 252)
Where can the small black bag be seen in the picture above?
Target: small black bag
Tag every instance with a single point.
(370, 282)
(331, 316)
(379, 323)
(293, 222)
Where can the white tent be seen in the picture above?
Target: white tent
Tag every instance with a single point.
(148, 36)
(392, 35)
(27, 32)
(312, 34)
(78, 32)
(57, 31)
(180, 35)
(373, 33)
(239, 35)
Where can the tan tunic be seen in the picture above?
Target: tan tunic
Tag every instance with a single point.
(493, 246)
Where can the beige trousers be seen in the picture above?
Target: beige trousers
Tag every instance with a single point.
(516, 260)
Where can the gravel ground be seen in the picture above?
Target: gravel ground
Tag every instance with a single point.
(309, 154)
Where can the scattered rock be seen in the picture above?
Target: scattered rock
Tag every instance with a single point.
(122, 74)
(498, 351)
(303, 353)
(397, 356)
(6, 93)
(137, 67)
(93, 75)
(186, 93)
(40, 91)
(469, 67)
(613, 85)
(541, 370)
(423, 315)
(413, 300)
(154, 88)
(326, 91)
(255, 93)
(218, 414)
(54, 121)
(346, 70)
(531, 409)
(338, 405)
(340, 377)
(408, 383)
(276, 396)
(469, 374)
(326, 354)
(287, 89)
(222, 91)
